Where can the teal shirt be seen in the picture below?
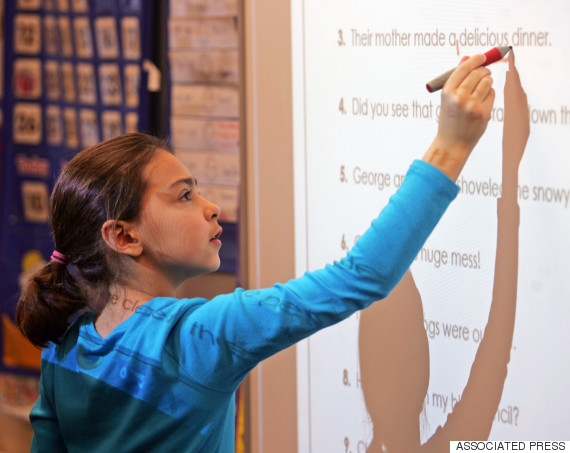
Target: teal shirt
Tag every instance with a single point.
(164, 380)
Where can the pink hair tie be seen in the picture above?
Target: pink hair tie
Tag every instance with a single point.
(59, 258)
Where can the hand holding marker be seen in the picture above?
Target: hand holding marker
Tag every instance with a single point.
(493, 55)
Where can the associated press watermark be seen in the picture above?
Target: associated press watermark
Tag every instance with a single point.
(509, 446)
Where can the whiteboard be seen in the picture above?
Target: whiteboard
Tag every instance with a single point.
(414, 371)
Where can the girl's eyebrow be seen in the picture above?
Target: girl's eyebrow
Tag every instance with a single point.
(192, 182)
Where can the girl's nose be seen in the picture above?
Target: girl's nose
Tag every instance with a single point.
(212, 211)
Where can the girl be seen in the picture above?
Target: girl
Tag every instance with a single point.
(140, 370)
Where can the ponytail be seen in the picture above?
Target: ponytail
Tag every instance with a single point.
(47, 302)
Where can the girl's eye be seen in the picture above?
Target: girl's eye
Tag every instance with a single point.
(186, 196)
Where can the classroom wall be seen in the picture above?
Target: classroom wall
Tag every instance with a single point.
(269, 251)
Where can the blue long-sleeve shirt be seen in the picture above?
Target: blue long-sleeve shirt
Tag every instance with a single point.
(164, 380)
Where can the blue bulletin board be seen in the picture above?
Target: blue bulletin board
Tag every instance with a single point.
(74, 75)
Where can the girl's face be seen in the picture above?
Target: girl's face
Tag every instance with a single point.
(178, 228)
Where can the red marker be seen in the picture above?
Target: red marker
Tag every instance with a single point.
(495, 54)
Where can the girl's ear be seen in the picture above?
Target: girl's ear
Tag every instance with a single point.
(121, 237)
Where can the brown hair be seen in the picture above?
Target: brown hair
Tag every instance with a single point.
(103, 182)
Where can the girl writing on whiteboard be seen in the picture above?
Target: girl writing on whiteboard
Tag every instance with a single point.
(139, 369)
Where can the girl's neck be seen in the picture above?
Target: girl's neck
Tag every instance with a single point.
(123, 302)
(143, 284)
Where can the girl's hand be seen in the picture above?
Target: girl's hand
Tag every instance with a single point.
(466, 102)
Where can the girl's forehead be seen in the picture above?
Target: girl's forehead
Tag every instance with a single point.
(164, 168)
